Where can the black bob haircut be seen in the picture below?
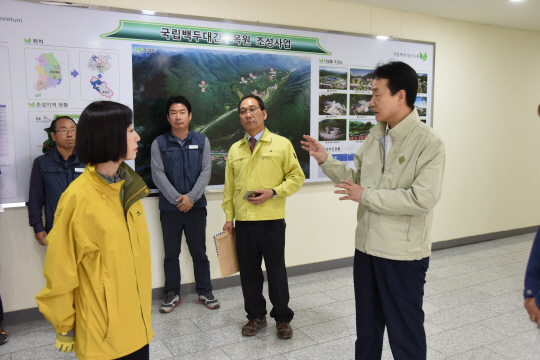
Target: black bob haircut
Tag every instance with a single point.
(102, 132)
(400, 76)
(259, 100)
(178, 100)
(52, 128)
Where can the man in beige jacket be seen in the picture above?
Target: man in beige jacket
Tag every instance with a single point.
(397, 182)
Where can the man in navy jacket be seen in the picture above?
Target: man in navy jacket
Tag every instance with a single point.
(52, 173)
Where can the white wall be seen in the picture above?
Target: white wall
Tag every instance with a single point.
(486, 95)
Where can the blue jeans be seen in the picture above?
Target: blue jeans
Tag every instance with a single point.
(1, 311)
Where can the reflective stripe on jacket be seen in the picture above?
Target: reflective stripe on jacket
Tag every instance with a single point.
(273, 165)
(97, 266)
(396, 209)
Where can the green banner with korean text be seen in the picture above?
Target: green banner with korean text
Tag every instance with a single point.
(145, 31)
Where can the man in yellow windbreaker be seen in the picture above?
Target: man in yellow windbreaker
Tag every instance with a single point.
(264, 166)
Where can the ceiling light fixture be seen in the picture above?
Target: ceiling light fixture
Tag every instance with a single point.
(382, 37)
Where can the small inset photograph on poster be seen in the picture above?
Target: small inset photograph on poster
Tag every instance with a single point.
(332, 129)
(422, 83)
(360, 105)
(332, 104)
(421, 105)
(361, 79)
(39, 123)
(332, 78)
(359, 130)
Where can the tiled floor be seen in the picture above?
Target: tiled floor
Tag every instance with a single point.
(473, 304)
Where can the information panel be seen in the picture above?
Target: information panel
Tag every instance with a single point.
(313, 83)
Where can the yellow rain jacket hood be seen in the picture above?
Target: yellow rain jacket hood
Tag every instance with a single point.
(97, 266)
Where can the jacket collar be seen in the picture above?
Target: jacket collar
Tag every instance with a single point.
(173, 137)
(400, 131)
(266, 136)
(55, 154)
(134, 187)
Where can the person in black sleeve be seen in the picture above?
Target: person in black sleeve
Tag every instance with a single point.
(3, 335)
(532, 282)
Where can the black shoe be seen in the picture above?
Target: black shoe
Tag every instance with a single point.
(3, 336)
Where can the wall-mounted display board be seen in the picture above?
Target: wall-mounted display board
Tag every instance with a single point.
(56, 60)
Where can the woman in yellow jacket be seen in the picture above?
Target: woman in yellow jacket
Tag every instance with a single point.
(98, 260)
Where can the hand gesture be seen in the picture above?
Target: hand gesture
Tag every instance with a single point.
(351, 190)
(315, 149)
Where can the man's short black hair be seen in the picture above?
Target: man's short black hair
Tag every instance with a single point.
(178, 100)
(52, 128)
(259, 100)
(102, 132)
(400, 76)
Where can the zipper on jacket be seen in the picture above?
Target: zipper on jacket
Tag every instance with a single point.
(383, 154)
(409, 228)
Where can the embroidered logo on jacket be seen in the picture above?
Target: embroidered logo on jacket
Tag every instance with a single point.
(138, 213)
(401, 160)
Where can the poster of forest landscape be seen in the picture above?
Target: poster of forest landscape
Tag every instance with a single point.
(214, 81)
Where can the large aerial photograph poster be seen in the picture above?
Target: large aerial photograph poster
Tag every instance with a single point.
(214, 82)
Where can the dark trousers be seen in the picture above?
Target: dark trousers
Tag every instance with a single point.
(389, 293)
(256, 240)
(193, 223)
(141, 354)
(1, 311)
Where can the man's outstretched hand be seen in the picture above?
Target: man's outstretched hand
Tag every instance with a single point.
(315, 149)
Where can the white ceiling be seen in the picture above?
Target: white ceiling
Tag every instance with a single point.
(518, 15)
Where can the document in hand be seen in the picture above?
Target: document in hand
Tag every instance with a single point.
(226, 254)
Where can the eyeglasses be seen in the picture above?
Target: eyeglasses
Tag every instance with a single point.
(252, 110)
(63, 131)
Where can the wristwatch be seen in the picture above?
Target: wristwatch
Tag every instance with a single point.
(275, 194)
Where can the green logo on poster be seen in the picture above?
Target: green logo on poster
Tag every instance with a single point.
(321, 60)
(27, 40)
(138, 49)
(423, 56)
(32, 104)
